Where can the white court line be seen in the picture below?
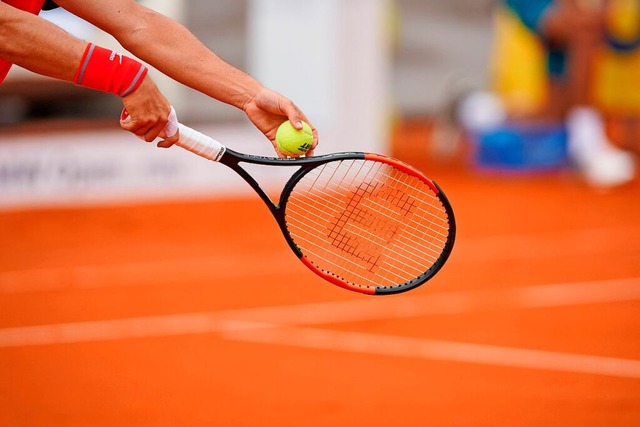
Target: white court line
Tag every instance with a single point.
(356, 310)
(570, 243)
(138, 273)
(554, 245)
(440, 350)
(121, 329)
(416, 305)
(319, 339)
(270, 325)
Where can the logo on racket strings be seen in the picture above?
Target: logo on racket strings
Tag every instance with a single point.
(372, 219)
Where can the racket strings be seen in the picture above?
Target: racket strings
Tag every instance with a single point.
(433, 248)
(340, 187)
(354, 235)
(335, 200)
(366, 222)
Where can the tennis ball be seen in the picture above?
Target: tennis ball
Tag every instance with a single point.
(294, 142)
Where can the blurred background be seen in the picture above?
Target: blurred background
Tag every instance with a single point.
(124, 302)
(427, 45)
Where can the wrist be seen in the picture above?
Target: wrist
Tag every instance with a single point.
(107, 71)
(246, 94)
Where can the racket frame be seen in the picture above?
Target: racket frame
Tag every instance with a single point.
(233, 160)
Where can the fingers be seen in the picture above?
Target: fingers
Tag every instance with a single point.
(147, 127)
(154, 130)
(171, 133)
(269, 109)
(148, 114)
(151, 128)
(294, 115)
(314, 131)
(168, 141)
(278, 152)
(315, 138)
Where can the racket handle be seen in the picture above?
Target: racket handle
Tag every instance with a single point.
(199, 143)
(190, 139)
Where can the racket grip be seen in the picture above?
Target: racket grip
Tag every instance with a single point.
(190, 139)
(200, 144)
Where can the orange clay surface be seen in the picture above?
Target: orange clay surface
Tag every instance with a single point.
(196, 313)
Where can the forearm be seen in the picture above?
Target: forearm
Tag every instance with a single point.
(168, 46)
(176, 52)
(38, 45)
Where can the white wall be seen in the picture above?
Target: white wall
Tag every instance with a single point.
(331, 58)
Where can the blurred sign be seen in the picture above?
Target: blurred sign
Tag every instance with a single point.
(79, 168)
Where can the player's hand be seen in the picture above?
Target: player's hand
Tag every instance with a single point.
(267, 110)
(148, 113)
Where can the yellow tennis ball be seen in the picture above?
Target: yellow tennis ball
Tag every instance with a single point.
(294, 142)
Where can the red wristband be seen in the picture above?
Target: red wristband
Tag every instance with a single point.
(108, 71)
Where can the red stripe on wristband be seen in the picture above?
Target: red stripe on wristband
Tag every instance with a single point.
(108, 71)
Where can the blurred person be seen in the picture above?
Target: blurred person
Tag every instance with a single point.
(40, 46)
(572, 34)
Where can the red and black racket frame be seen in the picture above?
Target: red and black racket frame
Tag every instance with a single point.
(233, 159)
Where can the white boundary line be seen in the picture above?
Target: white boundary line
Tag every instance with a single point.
(468, 250)
(441, 350)
(566, 243)
(278, 325)
(136, 273)
(410, 305)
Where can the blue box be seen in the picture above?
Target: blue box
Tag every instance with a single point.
(521, 147)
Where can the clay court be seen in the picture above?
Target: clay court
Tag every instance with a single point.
(130, 315)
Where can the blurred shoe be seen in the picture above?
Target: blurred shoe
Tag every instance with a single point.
(601, 163)
(481, 111)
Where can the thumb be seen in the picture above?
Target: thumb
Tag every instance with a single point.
(295, 116)
(297, 123)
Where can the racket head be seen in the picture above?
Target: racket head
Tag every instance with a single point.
(368, 223)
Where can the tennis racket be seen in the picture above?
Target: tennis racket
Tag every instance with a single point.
(365, 222)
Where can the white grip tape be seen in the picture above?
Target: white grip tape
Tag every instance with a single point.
(200, 144)
(190, 139)
(172, 124)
